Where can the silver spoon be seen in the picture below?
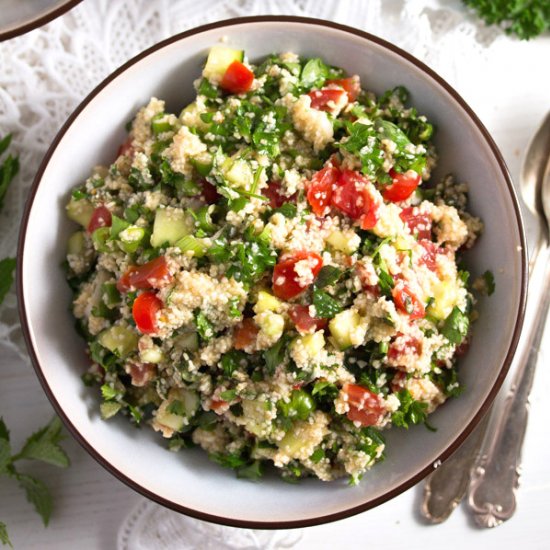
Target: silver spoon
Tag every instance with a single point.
(447, 485)
(495, 479)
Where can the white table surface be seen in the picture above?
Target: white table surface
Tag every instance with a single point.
(90, 504)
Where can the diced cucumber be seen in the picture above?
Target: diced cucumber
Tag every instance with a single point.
(188, 341)
(80, 211)
(76, 244)
(173, 415)
(266, 302)
(348, 329)
(271, 324)
(170, 225)
(301, 439)
(446, 295)
(109, 409)
(219, 58)
(238, 173)
(313, 344)
(346, 241)
(119, 339)
(256, 415)
(151, 355)
(191, 116)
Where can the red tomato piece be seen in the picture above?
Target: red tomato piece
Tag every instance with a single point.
(319, 191)
(142, 373)
(287, 284)
(352, 197)
(237, 79)
(403, 345)
(153, 274)
(407, 301)
(303, 321)
(209, 192)
(365, 407)
(328, 99)
(145, 309)
(431, 250)
(245, 334)
(402, 185)
(101, 217)
(351, 85)
(419, 224)
(219, 406)
(275, 196)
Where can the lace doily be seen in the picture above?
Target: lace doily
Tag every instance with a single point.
(46, 73)
(152, 527)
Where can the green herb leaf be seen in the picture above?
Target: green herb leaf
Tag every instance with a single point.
(455, 327)
(229, 460)
(489, 280)
(317, 455)
(44, 445)
(228, 395)
(204, 326)
(253, 471)
(524, 18)
(326, 306)
(328, 276)
(7, 267)
(38, 495)
(231, 361)
(108, 392)
(275, 355)
(410, 411)
(176, 407)
(4, 538)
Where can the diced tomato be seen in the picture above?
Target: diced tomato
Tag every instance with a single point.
(142, 373)
(407, 301)
(275, 196)
(419, 224)
(352, 197)
(237, 79)
(209, 192)
(365, 407)
(402, 185)
(431, 250)
(319, 191)
(153, 274)
(328, 99)
(245, 334)
(351, 85)
(126, 147)
(286, 282)
(403, 345)
(145, 309)
(101, 217)
(303, 321)
(219, 406)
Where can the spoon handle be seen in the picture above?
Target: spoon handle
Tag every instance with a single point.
(447, 485)
(495, 478)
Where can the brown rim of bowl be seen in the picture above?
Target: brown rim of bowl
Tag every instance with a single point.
(38, 21)
(429, 467)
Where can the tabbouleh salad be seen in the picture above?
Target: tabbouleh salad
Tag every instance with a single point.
(271, 275)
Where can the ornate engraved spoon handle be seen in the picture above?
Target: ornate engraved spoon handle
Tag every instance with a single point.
(447, 485)
(495, 479)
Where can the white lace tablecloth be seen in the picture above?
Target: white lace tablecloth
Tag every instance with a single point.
(43, 77)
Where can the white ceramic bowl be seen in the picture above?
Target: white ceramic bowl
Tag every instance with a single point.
(187, 481)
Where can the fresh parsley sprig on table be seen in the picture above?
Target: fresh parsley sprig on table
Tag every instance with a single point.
(8, 170)
(524, 18)
(44, 446)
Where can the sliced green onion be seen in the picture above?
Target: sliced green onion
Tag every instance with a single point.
(111, 296)
(203, 219)
(189, 243)
(131, 238)
(159, 124)
(100, 237)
